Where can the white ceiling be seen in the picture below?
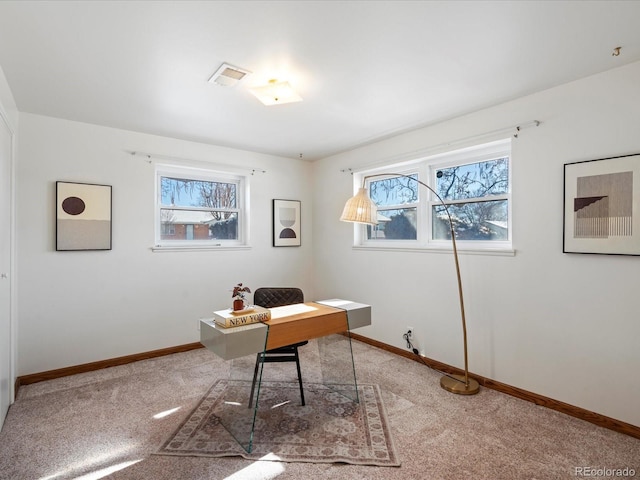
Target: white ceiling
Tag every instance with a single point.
(366, 70)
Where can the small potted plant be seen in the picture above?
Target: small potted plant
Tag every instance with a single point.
(239, 293)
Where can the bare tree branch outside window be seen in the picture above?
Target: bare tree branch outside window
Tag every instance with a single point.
(481, 218)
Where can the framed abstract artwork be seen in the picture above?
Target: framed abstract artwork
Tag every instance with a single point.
(286, 223)
(602, 206)
(83, 216)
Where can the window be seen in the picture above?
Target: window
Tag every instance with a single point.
(200, 208)
(473, 183)
(397, 201)
(476, 196)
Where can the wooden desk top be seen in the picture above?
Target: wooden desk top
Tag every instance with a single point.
(303, 321)
(289, 324)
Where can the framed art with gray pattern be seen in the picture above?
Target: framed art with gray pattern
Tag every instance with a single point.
(602, 206)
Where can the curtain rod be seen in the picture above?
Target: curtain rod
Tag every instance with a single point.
(515, 128)
(148, 157)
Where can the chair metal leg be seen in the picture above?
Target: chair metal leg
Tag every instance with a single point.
(262, 359)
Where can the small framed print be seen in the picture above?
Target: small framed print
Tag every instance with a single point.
(286, 223)
(602, 206)
(83, 216)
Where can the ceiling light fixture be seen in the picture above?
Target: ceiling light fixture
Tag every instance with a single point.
(228, 75)
(276, 93)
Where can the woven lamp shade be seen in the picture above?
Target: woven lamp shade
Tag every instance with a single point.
(360, 209)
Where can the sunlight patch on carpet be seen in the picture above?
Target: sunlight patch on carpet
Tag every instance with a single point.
(258, 470)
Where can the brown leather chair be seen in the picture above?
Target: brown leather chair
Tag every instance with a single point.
(270, 297)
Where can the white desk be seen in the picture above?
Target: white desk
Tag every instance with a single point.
(328, 321)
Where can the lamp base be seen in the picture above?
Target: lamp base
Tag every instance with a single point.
(458, 386)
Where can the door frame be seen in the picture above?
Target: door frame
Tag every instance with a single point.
(12, 258)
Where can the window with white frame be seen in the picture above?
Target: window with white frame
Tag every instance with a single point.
(473, 184)
(200, 208)
(397, 198)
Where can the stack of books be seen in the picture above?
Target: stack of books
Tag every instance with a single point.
(230, 318)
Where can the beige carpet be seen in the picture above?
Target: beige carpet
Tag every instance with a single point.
(329, 428)
(110, 424)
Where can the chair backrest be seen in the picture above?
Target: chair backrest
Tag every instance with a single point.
(270, 297)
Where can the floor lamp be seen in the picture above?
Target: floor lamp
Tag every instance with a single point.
(361, 209)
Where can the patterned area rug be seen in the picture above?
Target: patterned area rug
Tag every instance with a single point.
(329, 428)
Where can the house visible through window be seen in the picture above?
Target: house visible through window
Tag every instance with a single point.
(199, 207)
(168, 230)
(473, 183)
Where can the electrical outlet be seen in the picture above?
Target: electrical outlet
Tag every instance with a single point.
(410, 331)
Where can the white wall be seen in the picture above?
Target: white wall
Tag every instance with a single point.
(79, 307)
(560, 325)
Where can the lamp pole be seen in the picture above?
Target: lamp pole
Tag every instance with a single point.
(459, 384)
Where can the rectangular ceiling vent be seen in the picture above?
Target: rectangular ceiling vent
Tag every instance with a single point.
(228, 75)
